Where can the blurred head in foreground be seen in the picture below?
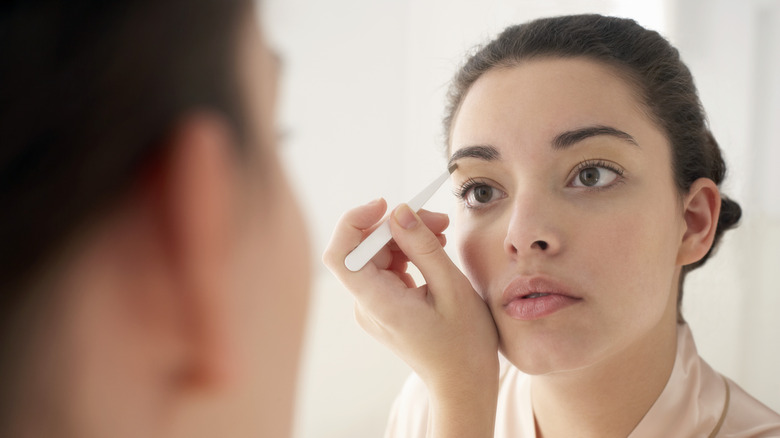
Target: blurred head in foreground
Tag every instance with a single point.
(153, 261)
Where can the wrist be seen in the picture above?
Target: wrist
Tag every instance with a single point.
(464, 407)
(476, 379)
(467, 411)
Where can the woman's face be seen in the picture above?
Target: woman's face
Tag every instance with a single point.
(570, 222)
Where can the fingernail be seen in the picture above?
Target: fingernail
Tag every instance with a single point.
(405, 216)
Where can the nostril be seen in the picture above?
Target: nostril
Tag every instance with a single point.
(541, 244)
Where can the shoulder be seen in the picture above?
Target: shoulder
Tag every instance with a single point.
(748, 417)
(742, 415)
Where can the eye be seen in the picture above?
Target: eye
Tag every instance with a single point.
(596, 175)
(478, 194)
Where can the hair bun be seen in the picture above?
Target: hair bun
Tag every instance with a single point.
(730, 213)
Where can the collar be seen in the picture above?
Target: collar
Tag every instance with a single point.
(695, 399)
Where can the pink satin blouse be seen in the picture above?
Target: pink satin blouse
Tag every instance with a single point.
(696, 402)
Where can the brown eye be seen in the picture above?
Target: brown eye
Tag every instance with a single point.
(590, 177)
(483, 194)
(596, 175)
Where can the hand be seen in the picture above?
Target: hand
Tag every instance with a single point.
(442, 329)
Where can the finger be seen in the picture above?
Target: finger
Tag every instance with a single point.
(436, 222)
(400, 266)
(350, 230)
(384, 258)
(421, 246)
(400, 262)
(394, 246)
(408, 280)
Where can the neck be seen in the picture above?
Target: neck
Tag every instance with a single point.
(607, 399)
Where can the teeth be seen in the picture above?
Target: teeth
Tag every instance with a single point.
(536, 295)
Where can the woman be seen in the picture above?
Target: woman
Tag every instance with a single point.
(588, 182)
(154, 264)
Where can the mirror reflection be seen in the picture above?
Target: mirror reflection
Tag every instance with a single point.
(398, 87)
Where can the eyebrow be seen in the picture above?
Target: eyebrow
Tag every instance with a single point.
(481, 152)
(561, 141)
(569, 138)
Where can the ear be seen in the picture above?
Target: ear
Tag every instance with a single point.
(196, 184)
(701, 208)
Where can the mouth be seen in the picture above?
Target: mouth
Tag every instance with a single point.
(526, 288)
(534, 295)
(531, 298)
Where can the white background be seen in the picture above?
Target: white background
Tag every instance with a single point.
(362, 100)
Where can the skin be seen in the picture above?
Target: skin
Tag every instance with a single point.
(614, 247)
(442, 329)
(599, 363)
(181, 312)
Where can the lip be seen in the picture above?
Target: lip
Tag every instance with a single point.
(530, 298)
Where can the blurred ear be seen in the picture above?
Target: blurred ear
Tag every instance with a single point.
(196, 184)
(701, 211)
(145, 292)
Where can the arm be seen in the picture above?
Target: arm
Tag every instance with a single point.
(468, 411)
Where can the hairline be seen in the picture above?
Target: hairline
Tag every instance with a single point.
(619, 70)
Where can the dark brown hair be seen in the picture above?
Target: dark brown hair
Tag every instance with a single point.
(648, 62)
(88, 89)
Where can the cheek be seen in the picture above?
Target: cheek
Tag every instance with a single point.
(635, 251)
(657, 232)
(615, 250)
(272, 272)
(276, 261)
(479, 249)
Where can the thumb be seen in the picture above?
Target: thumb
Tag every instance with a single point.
(421, 246)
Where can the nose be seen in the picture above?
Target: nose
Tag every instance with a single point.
(534, 227)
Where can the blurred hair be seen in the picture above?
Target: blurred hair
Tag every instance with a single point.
(649, 63)
(88, 91)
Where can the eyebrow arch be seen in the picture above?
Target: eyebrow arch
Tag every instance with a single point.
(568, 138)
(481, 152)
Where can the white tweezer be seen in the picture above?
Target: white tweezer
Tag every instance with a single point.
(371, 245)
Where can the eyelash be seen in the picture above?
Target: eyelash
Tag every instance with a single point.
(598, 163)
(587, 164)
(462, 191)
(464, 188)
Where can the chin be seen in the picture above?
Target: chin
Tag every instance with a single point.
(537, 365)
(547, 353)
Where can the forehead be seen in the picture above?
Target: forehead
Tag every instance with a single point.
(534, 101)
